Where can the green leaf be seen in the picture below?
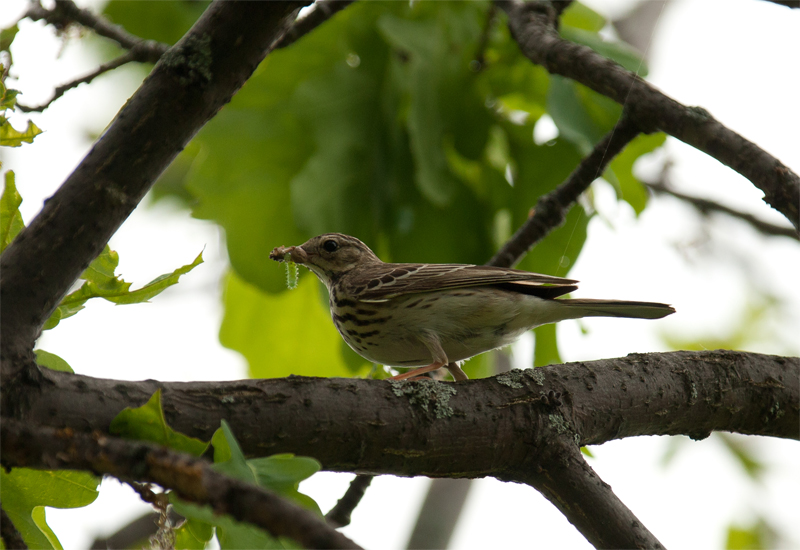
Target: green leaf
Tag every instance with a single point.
(10, 137)
(51, 361)
(7, 37)
(620, 52)
(148, 423)
(628, 187)
(283, 334)
(10, 218)
(280, 474)
(741, 451)
(193, 534)
(26, 492)
(101, 282)
(580, 16)
(162, 21)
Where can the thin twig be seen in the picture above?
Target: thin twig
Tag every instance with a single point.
(143, 51)
(706, 207)
(339, 515)
(552, 208)
(321, 12)
(191, 478)
(65, 12)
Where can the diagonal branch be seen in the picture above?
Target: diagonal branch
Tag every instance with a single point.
(66, 12)
(533, 27)
(197, 77)
(551, 210)
(143, 51)
(191, 478)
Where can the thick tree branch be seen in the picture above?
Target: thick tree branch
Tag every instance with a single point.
(551, 210)
(588, 503)
(195, 79)
(191, 478)
(533, 27)
(421, 428)
(706, 207)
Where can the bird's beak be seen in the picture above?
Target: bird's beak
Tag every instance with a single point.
(295, 254)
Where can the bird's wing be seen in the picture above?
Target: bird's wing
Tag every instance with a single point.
(386, 281)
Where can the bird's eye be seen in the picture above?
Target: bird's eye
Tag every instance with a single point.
(330, 246)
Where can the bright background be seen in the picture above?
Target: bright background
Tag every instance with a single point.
(737, 59)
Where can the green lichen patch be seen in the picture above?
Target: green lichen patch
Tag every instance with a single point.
(558, 423)
(422, 393)
(190, 60)
(512, 379)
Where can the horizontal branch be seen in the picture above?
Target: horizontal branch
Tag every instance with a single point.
(191, 478)
(422, 428)
(533, 27)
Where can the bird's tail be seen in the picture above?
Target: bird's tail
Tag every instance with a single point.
(617, 308)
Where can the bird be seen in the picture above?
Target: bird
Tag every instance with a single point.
(438, 315)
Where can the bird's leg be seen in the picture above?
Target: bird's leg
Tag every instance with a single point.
(440, 360)
(418, 371)
(456, 372)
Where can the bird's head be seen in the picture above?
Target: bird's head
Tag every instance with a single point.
(329, 256)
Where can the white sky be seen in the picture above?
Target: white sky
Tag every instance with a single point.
(736, 58)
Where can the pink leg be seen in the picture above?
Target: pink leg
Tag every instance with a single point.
(417, 371)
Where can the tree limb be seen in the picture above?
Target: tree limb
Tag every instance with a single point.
(552, 208)
(533, 27)
(422, 428)
(511, 422)
(339, 515)
(140, 52)
(187, 87)
(706, 207)
(65, 12)
(191, 478)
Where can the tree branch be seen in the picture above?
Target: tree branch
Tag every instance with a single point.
(588, 503)
(510, 422)
(552, 208)
(706, 207)
(339, 515)
(143, 51)
(186, 88)
(421, 428)
(191, 478)
(533, 27)
(65, 12)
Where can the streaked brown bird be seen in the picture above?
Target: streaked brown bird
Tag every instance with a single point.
(435, 315)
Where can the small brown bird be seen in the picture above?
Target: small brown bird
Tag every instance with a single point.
(434, 315)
